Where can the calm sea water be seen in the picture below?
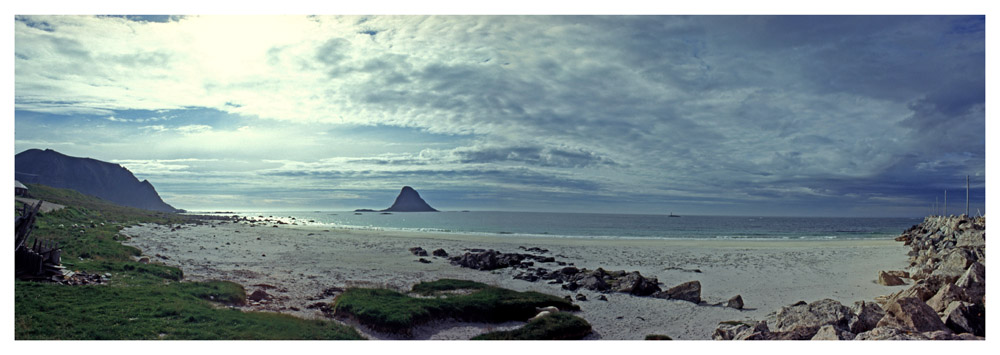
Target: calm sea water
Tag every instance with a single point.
(605, 226)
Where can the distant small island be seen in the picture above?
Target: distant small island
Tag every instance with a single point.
(408, 200)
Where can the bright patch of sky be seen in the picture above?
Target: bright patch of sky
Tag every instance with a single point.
(751, 115)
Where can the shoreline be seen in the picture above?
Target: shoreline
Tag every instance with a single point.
(295, 264)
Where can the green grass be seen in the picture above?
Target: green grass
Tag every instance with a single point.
(391, 311)
(141, 301)
(178, 310)
(556, 326)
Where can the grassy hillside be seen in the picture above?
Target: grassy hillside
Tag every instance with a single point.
(141, 301)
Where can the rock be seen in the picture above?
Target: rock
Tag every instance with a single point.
(258, 295)
(602, 298)
(440, 252)
(735, 302)
(919, 290)
(887, 279)
(572, 286)
(689, 291)
(595, 283)
(829, 332)
(945, 296)
(957, 259)
(913, 313)
(973, 281)
(964, 317)
(898, 273)
(425, 261)
(972, 238)
(888, 333)
(734, 330)
(806, 319)
(635, 284)
(418, 251)
(581, 297)
(569, 270)
(144, 260)
(867, 315)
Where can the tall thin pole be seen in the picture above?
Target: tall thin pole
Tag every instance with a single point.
(967, 195)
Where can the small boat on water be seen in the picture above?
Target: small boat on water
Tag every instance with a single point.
(672, 215)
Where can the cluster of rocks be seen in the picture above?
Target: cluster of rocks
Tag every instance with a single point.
(946, 299)
(572, 278)
(487, 260)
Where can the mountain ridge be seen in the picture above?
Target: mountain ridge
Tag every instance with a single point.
(108, 181)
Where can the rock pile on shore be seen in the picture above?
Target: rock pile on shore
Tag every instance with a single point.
(572, 278)
(946, 298)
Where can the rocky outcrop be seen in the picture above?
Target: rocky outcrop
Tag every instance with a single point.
(945, 301)
(409, 200)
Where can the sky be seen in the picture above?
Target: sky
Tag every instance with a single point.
(698, 115)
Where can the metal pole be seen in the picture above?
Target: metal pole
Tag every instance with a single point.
(967, 195)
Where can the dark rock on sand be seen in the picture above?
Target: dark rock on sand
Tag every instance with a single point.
(440, 252)
(689, 291)
(735, 302)
(418, 251)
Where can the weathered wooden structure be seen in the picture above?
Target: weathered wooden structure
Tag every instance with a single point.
(42, 258)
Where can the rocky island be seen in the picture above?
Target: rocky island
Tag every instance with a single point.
(409, 201)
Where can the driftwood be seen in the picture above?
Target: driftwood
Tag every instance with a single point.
(42, 258)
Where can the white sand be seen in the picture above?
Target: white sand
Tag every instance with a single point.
(303, 261)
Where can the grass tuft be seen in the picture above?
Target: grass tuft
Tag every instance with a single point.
(556, 326)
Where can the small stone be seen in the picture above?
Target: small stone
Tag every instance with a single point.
(581, 297)
(735, 302)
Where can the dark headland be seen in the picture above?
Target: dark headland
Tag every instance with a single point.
(105, 180)
(408, 200)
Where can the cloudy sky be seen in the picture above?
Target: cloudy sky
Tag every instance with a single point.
(729, 115)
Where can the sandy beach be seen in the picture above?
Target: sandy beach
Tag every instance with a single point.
(294, 265)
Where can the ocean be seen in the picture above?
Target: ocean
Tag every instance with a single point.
(603, 226)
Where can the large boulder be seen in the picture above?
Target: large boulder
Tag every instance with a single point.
(829, 332)
(972, 238)
(742, 331)
(867, 315)
(634, 283)
(945, 296)
(973, 281)
(806, 319)
(963, 317)
(911, 313)
(689, 291)
(888, 333)
(887, 279)
(594, 282)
